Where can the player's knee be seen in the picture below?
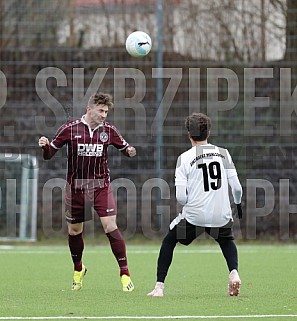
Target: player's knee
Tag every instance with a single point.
(185, 242)
(108, 223)
(170, 238)
(222, 241)
(75, 229)
(109, 227)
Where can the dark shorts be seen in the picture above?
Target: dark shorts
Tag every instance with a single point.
(186, 232)
(79, 204)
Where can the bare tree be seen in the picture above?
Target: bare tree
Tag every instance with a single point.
(1, 23)
(291, 30)
(230, 29)
(31, 23)
(226, 30)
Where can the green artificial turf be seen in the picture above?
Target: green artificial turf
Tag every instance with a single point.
(36, 283)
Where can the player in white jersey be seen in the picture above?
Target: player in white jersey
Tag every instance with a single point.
(202, 178)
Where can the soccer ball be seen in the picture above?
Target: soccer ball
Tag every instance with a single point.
(138, 44)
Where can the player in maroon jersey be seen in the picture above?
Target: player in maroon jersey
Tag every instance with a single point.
(88, 181)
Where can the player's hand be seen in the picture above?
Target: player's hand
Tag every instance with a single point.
(131, 151)
(43, 141)
(239, 211)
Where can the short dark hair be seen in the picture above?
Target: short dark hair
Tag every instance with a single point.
(101, 99)
(198, 126)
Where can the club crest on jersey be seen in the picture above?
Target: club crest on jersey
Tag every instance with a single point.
(103, 137)
(89, 149)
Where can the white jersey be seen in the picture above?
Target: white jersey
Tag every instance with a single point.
(204, 171)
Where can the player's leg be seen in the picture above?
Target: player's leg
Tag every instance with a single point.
(117, 242)
(76, 247)
(104, 205)
(76, 244)
(182, 232)
(224, 236)
(164, 262)
(74, 206)
(118, 247)
(229, 251)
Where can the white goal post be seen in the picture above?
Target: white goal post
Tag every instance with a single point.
(18, 197)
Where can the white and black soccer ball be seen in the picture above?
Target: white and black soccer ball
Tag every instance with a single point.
(138, 44)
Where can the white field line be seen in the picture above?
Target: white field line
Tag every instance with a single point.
(12, 249)
(104, 251)
(180, 317)
(15, 249)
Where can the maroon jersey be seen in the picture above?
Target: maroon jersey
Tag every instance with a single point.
(86, 152)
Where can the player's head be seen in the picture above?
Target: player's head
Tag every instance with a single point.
(100, 99)
(97, 109)
(198, 126)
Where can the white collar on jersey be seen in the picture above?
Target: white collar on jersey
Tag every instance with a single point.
(91, 131)
(86, 123)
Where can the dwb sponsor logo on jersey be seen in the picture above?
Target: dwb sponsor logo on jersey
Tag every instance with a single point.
(90, 149)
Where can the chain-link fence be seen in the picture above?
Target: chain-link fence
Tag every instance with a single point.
(234, 60)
